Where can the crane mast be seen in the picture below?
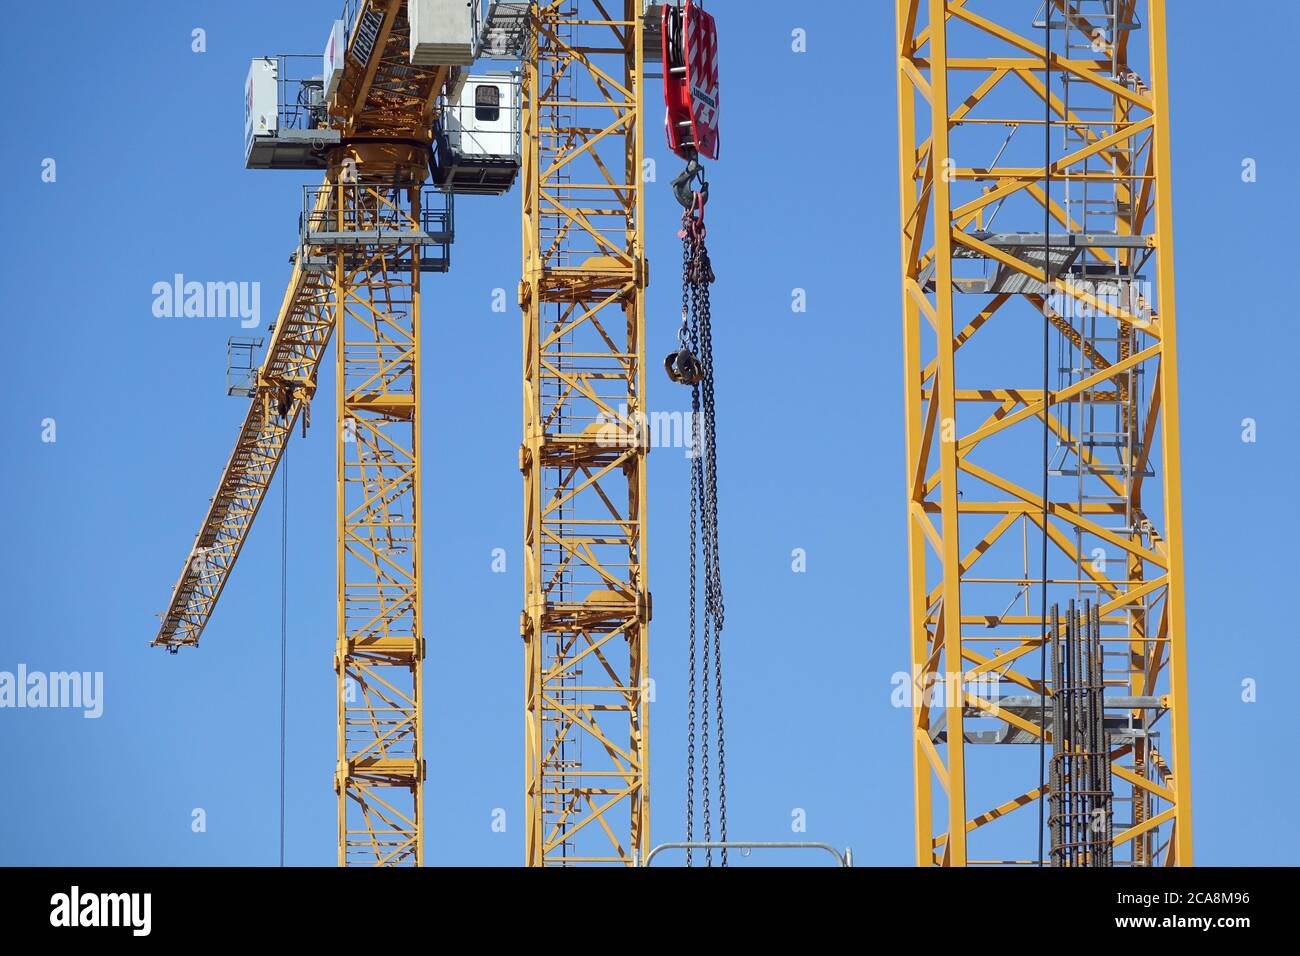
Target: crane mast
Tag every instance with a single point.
(586, 600)
(367, 235)
(1046, 583)
(376, 267)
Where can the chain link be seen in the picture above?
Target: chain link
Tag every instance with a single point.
(684, 341)
(713, 572)
(706, 704)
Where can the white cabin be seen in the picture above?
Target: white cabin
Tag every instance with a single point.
(478, 148)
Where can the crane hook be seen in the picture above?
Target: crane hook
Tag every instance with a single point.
(689, 198)
(683, 367)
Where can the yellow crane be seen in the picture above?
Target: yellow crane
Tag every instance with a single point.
(1046, 591)
(1064, 214)
(586, 597)
(368, 234)
(374, 122)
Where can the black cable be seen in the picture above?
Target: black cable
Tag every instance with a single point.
(284, 617)
(1047, 353)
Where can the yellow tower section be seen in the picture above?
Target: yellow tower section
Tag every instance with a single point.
(1043, 477)
(586, 603)
(367, 235)
(372, 222)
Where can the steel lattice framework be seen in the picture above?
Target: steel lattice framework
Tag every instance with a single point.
(1036, 202)
(367, 234)
(288, 375)
(380, 773)
(586, 606)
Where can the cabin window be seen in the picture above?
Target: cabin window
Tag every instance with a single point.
(487, 104)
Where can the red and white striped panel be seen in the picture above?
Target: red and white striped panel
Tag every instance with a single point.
(702, 72)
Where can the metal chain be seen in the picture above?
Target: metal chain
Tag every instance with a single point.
(713, 570)
(690, 229)
(684, 342)
(693, 365)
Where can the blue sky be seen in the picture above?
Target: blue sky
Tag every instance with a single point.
(147, 136)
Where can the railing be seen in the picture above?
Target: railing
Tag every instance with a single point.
(373, 216)
(300, 92)
(349, 16)
(372, 212)
(242, 365)
(843, 860)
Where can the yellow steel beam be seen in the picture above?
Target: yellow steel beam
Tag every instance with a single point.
(378, 659)
(976, 476)
(370, 300)
(286, 382)
(1171, 455)
(586, 601)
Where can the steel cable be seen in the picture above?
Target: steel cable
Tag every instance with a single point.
(284, 620)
